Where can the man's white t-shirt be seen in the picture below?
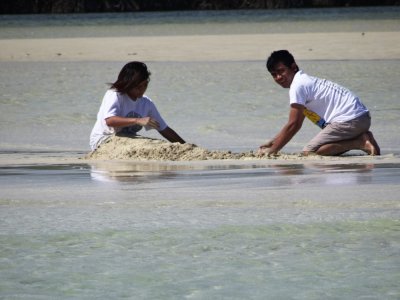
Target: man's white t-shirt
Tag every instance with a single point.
(329, 100)
(116, 104)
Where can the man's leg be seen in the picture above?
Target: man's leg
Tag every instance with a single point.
(338, 138)
(364, 142)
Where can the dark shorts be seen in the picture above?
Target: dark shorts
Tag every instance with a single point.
(336, 132)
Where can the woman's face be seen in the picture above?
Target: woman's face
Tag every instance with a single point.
(139, 90)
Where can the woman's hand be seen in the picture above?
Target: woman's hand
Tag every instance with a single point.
(147, 121)
(117, 121)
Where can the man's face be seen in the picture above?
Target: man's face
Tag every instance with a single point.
(283, 75)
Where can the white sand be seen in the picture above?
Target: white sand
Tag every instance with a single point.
(141, 148)
(310, 46)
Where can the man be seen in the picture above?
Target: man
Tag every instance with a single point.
(344, 120)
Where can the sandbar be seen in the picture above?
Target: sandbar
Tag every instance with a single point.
(228, 47)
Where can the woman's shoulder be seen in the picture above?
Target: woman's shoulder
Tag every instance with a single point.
(110, 93)
(111, 97)
(146, 100)
(113, 94)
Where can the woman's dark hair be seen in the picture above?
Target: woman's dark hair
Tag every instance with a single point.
(280, 56)
(131, 75)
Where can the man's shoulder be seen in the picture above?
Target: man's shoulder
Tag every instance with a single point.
(303, 79)
(301, 75)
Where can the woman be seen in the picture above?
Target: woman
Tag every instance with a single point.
(125, 109)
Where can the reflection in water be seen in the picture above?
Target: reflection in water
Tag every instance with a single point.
(205, 174)
(347, 174)
(132, 172)
(323, 174)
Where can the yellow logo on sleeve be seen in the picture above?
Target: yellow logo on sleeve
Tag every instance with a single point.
(314, 117)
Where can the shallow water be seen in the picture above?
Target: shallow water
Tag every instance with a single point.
(201, 22)
(203, 102)
(201, 231)
(194, 230)
(229, 262)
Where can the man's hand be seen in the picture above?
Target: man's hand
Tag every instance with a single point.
(296, 118)
(267, 144)
(264, 148)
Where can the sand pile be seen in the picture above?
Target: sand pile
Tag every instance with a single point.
(140, 148)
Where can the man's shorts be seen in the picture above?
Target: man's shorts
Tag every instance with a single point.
(337, 132)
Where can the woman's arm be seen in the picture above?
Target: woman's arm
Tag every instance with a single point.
(117, 121)
(171, 136)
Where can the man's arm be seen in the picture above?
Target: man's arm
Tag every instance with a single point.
(171, 136)
(296, 118)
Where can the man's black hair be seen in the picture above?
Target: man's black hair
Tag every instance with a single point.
(280, 56)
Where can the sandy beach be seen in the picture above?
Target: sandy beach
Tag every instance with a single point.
(306, 46)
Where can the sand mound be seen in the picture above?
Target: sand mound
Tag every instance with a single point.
(148, 149)
(140, 148)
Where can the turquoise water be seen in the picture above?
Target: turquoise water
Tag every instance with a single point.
(200, 231)
(194, 230)
(316, 261)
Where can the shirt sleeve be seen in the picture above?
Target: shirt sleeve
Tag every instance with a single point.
(298, 94)
(111, 105)
(156, 115)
